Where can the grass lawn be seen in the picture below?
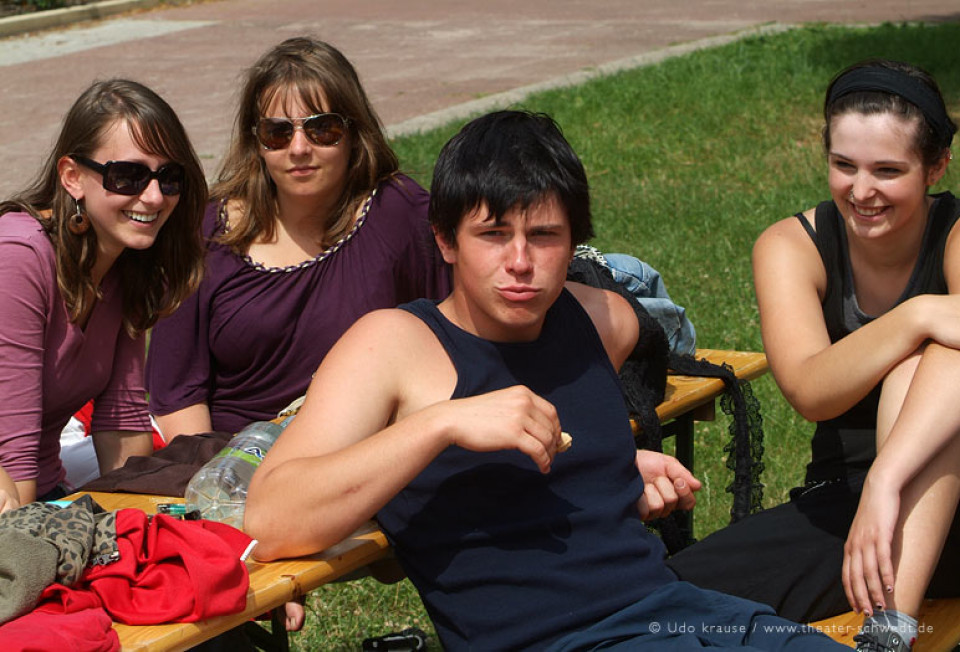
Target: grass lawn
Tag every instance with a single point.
(688, 160)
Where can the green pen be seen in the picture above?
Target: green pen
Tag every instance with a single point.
(172, 509)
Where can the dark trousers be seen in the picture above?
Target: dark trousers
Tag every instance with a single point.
(790, 556)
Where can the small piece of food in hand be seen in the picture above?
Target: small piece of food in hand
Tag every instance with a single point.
(566, 441)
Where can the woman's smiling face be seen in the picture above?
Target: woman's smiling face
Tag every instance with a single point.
(120, 221)
(877, 177)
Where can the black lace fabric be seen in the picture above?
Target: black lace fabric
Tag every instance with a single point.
(745, 447)
(745, 450)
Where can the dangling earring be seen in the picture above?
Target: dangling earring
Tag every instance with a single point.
(78, 223)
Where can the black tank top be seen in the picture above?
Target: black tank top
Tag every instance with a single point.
(845, 446)
(506, 557)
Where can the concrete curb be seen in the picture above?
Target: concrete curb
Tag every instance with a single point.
(515, 96)
(39, 20)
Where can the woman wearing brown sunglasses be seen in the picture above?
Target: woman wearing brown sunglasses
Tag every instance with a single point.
(103, 243)
(310, 226)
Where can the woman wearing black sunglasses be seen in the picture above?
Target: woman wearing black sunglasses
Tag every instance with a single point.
(310, 226)
(103, 243)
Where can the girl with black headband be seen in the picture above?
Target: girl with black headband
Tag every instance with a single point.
(862, 332)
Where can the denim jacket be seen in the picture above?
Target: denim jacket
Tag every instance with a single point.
(645, 283)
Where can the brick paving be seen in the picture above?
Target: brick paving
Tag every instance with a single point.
(416, 58)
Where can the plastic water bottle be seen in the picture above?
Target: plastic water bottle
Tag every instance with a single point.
(219, 489)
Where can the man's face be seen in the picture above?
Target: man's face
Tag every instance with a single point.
(507, 275)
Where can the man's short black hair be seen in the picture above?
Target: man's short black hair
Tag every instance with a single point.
(506, 160)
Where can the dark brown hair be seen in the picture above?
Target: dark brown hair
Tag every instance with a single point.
(506, 160)
(934, 130)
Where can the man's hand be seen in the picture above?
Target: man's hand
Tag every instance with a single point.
(667, 485)
(510, 418)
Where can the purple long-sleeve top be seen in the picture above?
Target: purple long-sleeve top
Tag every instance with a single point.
(248, 342)
(50, 367)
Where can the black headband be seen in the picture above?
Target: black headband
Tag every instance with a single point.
(887, 80)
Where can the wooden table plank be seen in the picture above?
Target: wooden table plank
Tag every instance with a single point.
(686, 393)
(939, 623)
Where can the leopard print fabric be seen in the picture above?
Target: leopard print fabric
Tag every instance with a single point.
(83, 533)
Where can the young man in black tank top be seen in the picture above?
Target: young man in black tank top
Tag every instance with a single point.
(444, 421)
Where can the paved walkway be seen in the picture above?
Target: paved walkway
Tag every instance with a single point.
(421, 61)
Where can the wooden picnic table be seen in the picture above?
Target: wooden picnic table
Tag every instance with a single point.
(688, 399)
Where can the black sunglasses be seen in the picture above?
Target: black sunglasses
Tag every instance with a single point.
(324, 129)
(130, 178)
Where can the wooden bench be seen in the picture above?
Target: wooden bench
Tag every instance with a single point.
(939, 626)
(687, 399)
(271, 585)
